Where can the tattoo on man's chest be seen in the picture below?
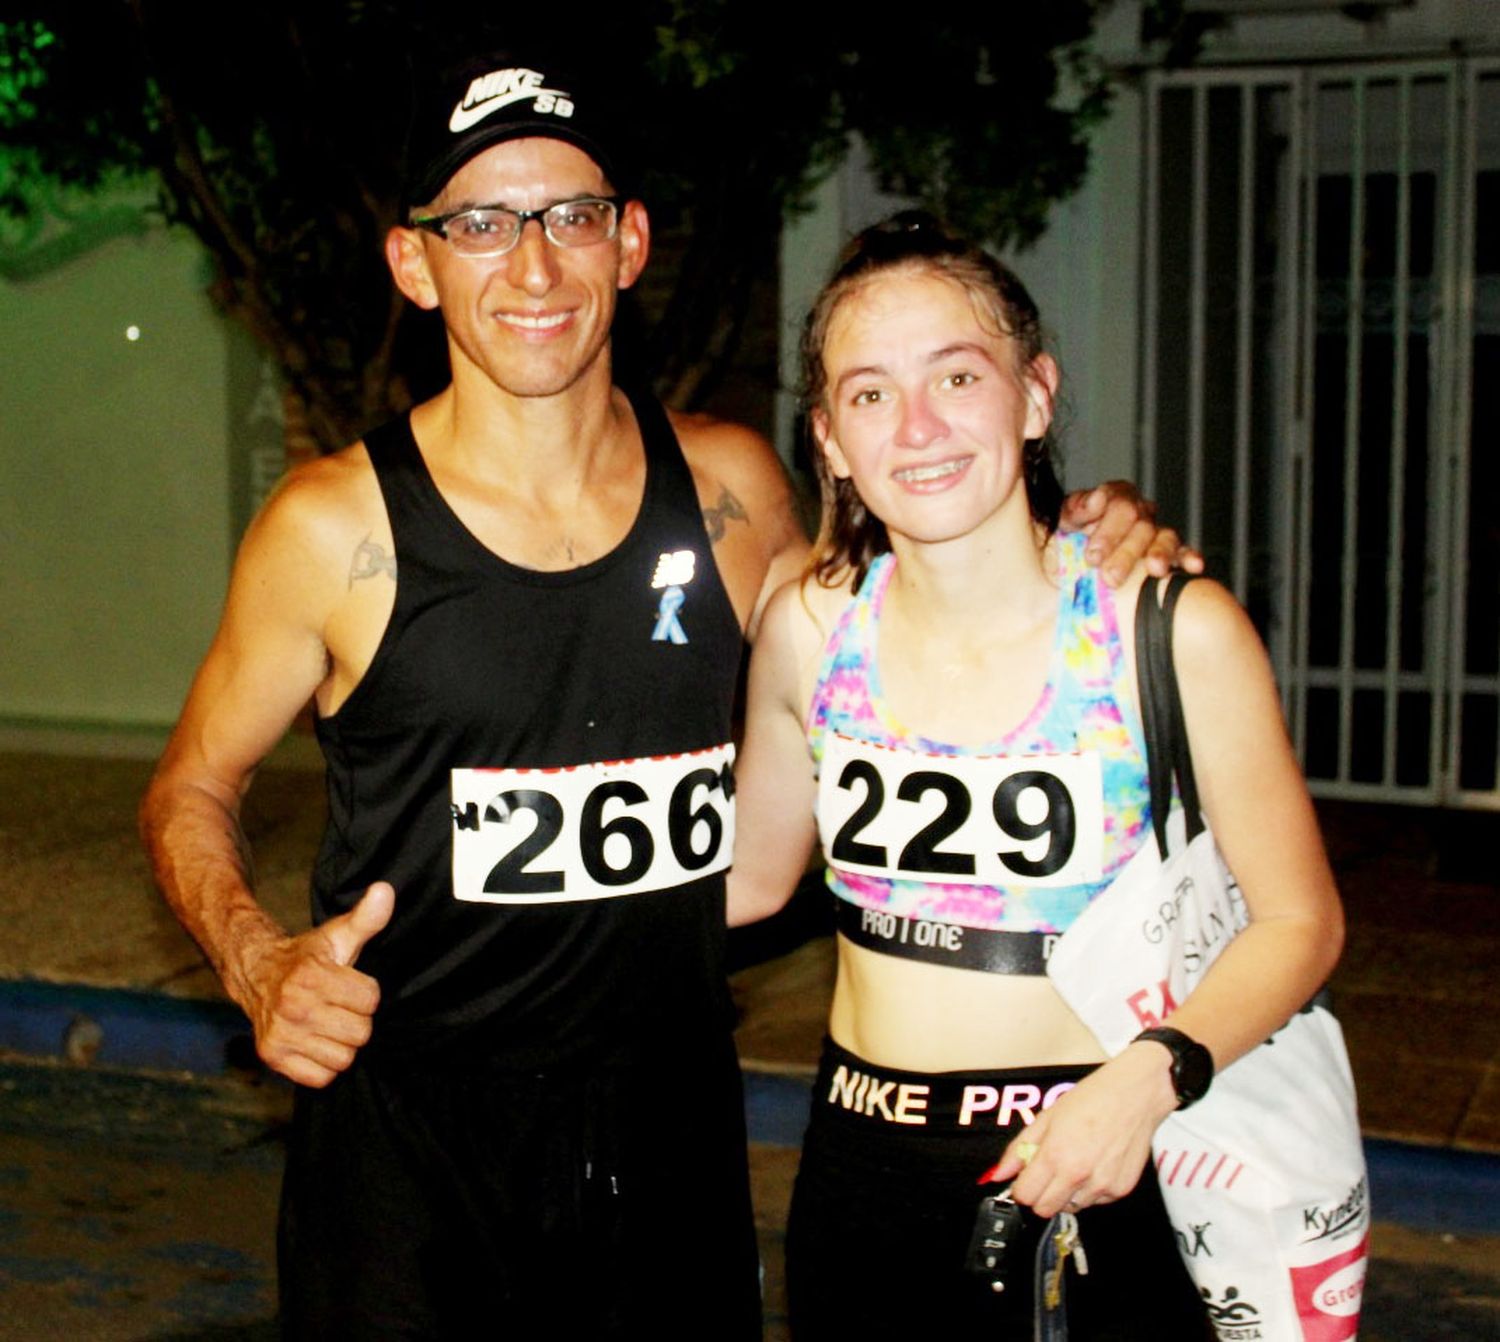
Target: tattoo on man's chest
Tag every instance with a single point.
(370, 561)
(727, 509)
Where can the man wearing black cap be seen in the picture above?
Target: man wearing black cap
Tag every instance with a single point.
(520, 613)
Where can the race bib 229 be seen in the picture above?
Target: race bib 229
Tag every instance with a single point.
(961, 819)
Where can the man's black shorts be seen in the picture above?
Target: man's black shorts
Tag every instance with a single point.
(608, 1203)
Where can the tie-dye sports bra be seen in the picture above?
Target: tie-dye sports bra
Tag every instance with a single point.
(979, 858)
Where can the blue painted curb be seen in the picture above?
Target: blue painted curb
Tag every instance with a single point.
(121, 1027)
(1434, 1187)
(776, 1107)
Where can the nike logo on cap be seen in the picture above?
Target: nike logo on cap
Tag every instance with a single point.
(500, 88)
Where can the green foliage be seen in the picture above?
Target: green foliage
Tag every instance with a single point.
(986, 124)
(275, 132)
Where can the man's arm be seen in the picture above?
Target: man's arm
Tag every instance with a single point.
(748, 509)
(310, 1008)
(774, 830)
(1123, 532)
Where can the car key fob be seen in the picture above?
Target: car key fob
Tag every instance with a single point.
(993, 1242)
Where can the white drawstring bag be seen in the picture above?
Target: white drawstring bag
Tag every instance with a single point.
(1264, 1177)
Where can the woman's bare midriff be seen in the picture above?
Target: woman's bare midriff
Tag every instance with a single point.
(934, 1018)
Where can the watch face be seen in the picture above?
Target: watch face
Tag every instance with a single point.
(1192, 1064)
(1192, 1071)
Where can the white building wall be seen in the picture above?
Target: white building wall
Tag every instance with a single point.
(1083, 274)
(115, 513)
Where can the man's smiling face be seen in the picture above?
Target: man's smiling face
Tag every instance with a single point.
(536, 319)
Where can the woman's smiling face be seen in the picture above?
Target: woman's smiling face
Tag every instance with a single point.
(927, 409)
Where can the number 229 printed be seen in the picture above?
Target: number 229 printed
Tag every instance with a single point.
(961, 819)
(591, 831)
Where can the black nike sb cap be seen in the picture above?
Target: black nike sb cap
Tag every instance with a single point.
(466, 108)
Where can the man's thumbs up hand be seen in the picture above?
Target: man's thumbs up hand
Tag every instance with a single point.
(311, 1008)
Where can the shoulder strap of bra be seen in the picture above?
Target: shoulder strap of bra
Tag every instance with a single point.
(1072, 567)
(849, 644)
(1087, 617)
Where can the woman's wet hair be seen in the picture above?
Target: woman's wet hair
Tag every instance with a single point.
(914, 242)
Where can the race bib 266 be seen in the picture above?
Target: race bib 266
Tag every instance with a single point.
(961, 819)
(591, 831)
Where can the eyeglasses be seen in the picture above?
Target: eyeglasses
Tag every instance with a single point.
(493, 230)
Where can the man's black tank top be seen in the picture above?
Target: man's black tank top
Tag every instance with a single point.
(486, 666)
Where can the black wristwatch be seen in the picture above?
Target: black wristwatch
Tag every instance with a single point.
(1192, 1064)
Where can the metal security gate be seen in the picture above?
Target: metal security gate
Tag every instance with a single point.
(1321, 397)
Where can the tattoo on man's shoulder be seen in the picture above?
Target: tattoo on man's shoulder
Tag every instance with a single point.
(370, 561)
(727, 509)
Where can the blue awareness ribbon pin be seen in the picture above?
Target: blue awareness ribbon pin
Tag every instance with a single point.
(668, 626)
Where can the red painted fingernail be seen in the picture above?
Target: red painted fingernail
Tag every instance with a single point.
(991, 1175)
